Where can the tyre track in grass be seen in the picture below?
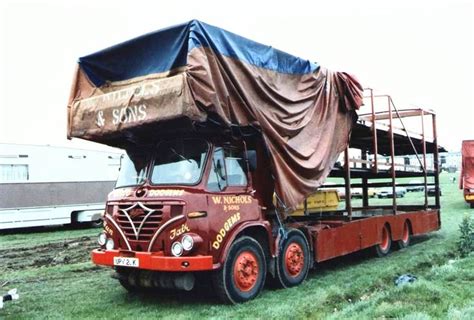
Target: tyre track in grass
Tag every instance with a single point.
(70, 251)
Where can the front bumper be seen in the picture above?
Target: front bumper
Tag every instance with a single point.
(154, 261)
(469, 197)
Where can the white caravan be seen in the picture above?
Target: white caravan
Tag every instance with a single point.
(47, 185)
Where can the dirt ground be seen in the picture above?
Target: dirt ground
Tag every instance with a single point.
(54, 253)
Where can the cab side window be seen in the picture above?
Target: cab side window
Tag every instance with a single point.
(217, 177)
(228, 169)
(235, 164)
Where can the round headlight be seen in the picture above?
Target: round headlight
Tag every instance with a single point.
(188, 242)
(177, 249)
(102, 239)
(109, 245)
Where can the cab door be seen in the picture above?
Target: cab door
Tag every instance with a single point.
(230, 202)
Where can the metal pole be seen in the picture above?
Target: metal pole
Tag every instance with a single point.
(365, 188)
(436, 162)
(425, 175)
(406, 131)
(347, 179)
(392, 156)
(374, 132)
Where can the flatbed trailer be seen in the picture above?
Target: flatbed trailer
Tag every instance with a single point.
(337, 233)
(224, 126)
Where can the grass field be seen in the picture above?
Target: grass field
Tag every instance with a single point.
(56, 280)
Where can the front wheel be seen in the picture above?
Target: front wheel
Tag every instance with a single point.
(243, 274)
(293, 262)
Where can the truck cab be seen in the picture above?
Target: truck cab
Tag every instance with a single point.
(178, 204)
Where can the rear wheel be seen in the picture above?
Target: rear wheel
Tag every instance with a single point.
(242, 276)
(383, 248)
(293, 261)
(405, 240)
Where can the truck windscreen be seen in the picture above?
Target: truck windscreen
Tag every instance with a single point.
(179, 162)
(134, 172)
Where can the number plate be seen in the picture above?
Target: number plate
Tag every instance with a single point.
(126, 262)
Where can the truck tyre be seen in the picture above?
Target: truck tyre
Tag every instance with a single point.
(472, 205)
(293, 260)
(405, 240)
(383, 248)
(243, 274)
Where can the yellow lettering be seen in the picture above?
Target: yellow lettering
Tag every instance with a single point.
(108, 230)
(236, 200)
(166, 192)
(228, 224)
(178, 231)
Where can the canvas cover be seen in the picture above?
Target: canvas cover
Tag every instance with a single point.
(194, 71)
(467, 167)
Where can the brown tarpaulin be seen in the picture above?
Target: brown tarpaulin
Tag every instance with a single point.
(305, 119)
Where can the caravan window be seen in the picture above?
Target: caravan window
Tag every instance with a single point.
(14, 172)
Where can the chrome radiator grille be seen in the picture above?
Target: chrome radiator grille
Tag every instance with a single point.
(139, 222)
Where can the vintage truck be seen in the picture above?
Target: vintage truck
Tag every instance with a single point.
(216, 126)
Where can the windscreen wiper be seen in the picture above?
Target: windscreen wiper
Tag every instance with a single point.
(180, 155)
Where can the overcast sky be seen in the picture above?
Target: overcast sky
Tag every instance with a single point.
(421, 52)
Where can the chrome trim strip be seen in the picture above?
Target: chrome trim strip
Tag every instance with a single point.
(124, 211)
(119, 230)
(144, 219)
(161, 229)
